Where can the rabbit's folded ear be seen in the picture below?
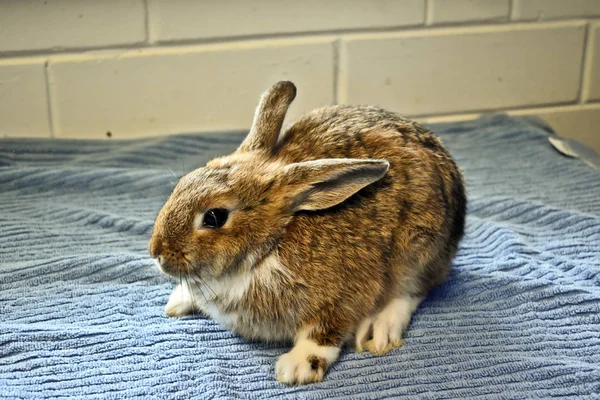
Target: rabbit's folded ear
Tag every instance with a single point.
(320, 184)
(269, 117)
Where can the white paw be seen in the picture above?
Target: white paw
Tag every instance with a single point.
(181, 302)
(307, 362)
(388, 326)
(294, 368)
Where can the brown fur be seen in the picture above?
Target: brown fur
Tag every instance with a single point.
(383, 237)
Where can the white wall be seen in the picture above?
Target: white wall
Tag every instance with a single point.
(82, 68)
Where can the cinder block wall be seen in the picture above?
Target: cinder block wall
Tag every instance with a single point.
(83, 68)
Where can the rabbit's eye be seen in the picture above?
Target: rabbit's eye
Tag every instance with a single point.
(215, 218)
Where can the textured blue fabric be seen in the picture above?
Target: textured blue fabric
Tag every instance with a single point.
(82, 305)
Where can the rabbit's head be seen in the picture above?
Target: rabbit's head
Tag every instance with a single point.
(227, 216)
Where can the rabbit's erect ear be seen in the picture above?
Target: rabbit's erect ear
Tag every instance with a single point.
(320, 184)
(269, 117)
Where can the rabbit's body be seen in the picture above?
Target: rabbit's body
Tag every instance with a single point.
(351, 246)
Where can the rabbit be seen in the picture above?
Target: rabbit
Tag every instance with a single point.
(330, 233)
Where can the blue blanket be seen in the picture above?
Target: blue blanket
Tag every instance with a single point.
(81, 304)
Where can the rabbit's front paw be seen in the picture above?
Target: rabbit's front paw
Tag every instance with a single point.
(294, 368)
(181, 302)
(306, 362)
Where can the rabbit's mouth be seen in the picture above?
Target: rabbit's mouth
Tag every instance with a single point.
(169, 266)
(170, 262)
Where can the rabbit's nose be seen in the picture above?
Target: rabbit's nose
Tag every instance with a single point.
(155, 247)
(168, 264)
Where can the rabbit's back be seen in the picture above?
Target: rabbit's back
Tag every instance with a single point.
(410, 221)
(341, 131)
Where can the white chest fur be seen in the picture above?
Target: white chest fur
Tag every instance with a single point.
(233, 290)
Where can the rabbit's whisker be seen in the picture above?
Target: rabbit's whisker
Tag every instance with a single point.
(204, 283)
(182, 166)
(192, 281)
(144, 217)
(191, 293)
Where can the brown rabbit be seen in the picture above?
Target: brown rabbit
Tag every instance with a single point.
(336, 229)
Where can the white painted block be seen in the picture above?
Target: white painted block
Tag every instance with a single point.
(443, 119)
(457, 70)
(578, 122)
(190, 19)
(56, 24)
(552, 9)
(592, 92)
(23, 99)
(184, 89)
(451, 11)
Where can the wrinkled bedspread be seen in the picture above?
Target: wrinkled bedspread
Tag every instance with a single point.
(81, 304)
